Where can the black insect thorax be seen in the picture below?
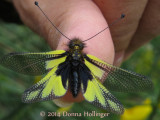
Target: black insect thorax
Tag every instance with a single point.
(75, 51)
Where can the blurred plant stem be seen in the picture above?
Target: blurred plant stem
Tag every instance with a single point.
(155, 108)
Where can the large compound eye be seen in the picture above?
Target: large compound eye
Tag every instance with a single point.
(81, 46)
(71, 45)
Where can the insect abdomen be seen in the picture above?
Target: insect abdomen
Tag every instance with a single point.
(75, 83)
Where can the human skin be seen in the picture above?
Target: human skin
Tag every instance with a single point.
(85, 18)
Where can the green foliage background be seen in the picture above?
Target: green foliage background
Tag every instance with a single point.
(145, 60)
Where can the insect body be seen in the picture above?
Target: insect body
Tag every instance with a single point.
(74, 70)
(74, 61)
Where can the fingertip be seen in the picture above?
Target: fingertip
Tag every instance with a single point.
(68, 98)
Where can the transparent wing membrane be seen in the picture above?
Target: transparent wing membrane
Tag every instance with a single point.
(127, 81)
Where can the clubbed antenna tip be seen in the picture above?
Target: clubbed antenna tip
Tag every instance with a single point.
(117, 20)
(36, 3)
(123, 15)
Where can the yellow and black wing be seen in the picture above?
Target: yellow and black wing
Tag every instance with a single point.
(51, 86)
(32, 63)
(114, 78)
(117, 79)
(98, 95)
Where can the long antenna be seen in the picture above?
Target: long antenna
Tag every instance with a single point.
(117, 20)
(36, 3)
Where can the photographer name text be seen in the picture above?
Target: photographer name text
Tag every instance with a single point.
(85, 114)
